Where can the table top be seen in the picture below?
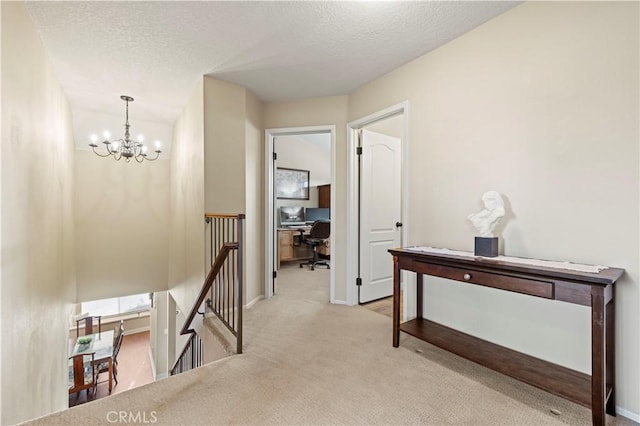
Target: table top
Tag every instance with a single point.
(304, 228)
(101, 344)
(604, 277)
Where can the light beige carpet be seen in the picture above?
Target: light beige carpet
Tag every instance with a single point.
(309, 362)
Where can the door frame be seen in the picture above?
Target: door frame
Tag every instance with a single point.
(269, 224)
(352, 194)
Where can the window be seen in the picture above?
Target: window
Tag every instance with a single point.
(118, 305)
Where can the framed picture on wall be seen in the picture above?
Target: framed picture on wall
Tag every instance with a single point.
(292, 184)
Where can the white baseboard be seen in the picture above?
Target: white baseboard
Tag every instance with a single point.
(136, 330)
(162, 376)
(253, 302)
(628, 414)
(339, 302)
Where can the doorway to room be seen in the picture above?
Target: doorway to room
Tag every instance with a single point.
(376, 217)
(299, 175)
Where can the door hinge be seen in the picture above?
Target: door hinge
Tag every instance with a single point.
(275, 275)
(275, 156)
(358, 281)
(359, 150)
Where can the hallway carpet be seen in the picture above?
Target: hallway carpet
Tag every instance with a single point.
(309, 362)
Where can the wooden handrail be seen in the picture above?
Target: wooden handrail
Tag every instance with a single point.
(208, 282)
(224, 215)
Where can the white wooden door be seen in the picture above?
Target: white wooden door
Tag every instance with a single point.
(274, 225)
(380, 213)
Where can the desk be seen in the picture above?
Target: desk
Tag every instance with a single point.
(288, 249)
(583, 288)
(102, 345)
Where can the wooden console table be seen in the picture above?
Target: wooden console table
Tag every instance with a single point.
(596, 391)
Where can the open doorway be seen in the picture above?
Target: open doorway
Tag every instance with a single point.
(303, 158)
(377, 194)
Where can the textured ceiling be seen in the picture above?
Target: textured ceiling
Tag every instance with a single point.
(157, 51)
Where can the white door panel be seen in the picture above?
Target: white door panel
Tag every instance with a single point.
(380, 209)
(379, 258)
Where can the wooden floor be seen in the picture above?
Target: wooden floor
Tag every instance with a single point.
(134, 369)
(384, 306)
(381, 306)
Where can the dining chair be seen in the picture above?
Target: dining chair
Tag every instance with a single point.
(103, 366)
(121, 328)
(116, 351)
(83, 374)
(89, 325)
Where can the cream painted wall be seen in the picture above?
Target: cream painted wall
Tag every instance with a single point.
(37, 267)
(549, 118)
(224, 150)
(254, 222)
(122, 226)
(317, 112)
(224, 132)
(295, 152)
(1, 284)
(186, 223)
(233, 157)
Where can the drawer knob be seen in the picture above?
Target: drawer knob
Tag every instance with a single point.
(467, 277)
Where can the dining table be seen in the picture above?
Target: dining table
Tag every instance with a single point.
(102, 344)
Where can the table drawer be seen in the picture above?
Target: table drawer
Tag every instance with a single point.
(503, 282)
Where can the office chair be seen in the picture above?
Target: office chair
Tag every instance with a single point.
(319, 234)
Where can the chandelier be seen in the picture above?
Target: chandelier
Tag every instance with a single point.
(125, 148)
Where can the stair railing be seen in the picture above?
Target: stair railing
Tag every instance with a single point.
(191, 356)
(223, 285)
(226, 296)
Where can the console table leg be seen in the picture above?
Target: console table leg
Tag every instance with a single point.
(598, 383)
(396, 302)
(419, 294)
(610, 354)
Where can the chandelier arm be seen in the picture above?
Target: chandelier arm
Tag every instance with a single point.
(154, 158)
(98, 154)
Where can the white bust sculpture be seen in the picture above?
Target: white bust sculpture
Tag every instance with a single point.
(486, 219)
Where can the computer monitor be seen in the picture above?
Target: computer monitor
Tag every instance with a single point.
(291, 215)
(317, 213)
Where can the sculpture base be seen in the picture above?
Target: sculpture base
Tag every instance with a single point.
(486, 247)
